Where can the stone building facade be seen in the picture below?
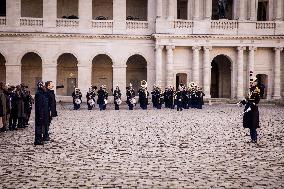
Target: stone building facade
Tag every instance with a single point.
(114, 42)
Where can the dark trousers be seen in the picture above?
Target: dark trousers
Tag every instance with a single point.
(38, 133)
(130, 106)
(90, 107)
(13, 122)
(21, 121)
(143, 106)
(179, 106)
(46, 132)
(77, 106)
(102, 106)
(253, 134)
(116, 106)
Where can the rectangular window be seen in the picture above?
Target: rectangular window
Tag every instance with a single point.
(2, 7)
(182, 9)
(262, 11)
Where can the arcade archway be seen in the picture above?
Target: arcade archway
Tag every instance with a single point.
(221, 77)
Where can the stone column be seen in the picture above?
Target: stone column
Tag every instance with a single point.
(170, 64)
(277, 74)
(241, 10)
(159, 64)
(252, 16)
(208, 9)
(13, 12)
(84, 77)
(159, 8)
(171, 8)
(196, 65)
(11, 77)
(196, 9)
(49, 13)
(240, 77)
(206, 71)
(251, 63)
(85, 13)
(278, 7)
(49, 73)
(119, 78)
(119, 16)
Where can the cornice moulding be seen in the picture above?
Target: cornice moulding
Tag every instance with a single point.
(135, 37)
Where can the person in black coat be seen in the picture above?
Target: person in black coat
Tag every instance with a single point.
(143, 96)
(102, 97)
(14, 115)
(179, 98)
(41, 113)
(77, 99)
(51, 108)
(28, 106)
(251, 113)
(200, 96)
(154, 96)
(117, 98)
(20, 103)
(130, 95)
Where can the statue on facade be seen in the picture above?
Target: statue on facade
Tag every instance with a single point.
(222, 6)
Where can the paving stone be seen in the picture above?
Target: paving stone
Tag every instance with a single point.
(147, 149)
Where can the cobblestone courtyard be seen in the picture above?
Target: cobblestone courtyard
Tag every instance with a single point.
(147, 149)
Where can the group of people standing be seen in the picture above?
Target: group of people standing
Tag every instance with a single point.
(183, 98)
(16, 104)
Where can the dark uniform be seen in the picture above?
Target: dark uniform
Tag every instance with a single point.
(77, 95)
(20, 106)
(179, 99)
(199, 98)
(28, 106)
(251, 113)
(14, 111)
(41, 114)
(52, 112)
(91, 99)
(117, 97)
(143, 98)
(169, 98)
(130, 95)
(154, 97)
(102, 98)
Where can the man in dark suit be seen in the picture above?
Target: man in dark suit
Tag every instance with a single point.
(41, 113)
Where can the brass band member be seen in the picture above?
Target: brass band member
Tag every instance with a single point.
(251, 113)
(130, 94)
(179, 97)
(77, 99)
(117, 97)
(91, 94)
(102, 97)
(143, 95)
